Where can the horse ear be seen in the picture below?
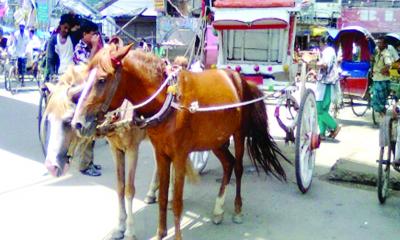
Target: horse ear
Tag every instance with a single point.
(117, 41)
(74, 93)
(119, 54)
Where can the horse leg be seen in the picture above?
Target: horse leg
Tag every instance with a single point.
(132, 156)
(154, 184)
(227, 161)
(163, 166)
(179, 166)
(119, 159)
(239, 152)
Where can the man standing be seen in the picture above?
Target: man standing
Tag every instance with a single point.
(20, 42)
(326, 79)
(89, 44)
(86, 48)
(380, 77)
(60, 50)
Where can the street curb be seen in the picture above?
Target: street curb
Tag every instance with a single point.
(345, 170)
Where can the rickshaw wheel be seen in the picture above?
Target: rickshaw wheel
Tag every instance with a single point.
(9, 77)
(306, 128)
(42, 130)
(375, 118)
(359, 107)
(383, 181)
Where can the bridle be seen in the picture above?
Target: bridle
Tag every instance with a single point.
(106, 104)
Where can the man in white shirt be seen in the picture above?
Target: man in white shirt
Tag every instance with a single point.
(326, 79)
(60, 49)
(20, 41)
(34, 45)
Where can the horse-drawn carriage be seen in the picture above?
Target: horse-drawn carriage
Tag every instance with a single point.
(256, 39)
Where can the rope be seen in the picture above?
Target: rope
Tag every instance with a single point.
(194, 106)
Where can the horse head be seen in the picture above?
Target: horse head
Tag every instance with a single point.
(60, 138)
(102, 82)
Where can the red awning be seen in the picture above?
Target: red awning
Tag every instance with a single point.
(253, 3)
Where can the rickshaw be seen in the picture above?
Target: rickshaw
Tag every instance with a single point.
(256, 39)
(389, 131)
(33, 73)
(355, 47)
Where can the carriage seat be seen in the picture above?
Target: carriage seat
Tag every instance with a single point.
(356, 69)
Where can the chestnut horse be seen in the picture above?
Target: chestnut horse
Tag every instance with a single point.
(116, 73)
(124, 139)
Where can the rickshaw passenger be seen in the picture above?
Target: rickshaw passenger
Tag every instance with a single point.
(380, 76)
(326, 80)
(20, 41)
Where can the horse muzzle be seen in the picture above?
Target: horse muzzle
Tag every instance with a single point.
(57, 168)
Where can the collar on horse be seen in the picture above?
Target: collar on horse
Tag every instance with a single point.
(140, 121)
(166, 108)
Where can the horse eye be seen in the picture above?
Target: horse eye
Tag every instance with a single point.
(102, 81)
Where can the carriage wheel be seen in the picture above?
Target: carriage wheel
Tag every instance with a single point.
(9, 77)
(376, 118)
(359, 107)
(199, 160)
(42, 130)
(384, 173)
(306, 131)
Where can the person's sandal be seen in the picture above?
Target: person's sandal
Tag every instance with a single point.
(91, 171)
(335, 132)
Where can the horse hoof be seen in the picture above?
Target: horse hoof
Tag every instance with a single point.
(237, 218)
(130, 238)
(150, 200)
(117, 235)
(218, 219)
(161, 234)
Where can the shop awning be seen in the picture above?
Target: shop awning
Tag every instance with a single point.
(253, 3)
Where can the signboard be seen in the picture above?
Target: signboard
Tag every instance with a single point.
(42, 11)
(159, 5)
(375, 20)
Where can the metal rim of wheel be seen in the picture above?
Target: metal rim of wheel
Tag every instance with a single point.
(383, 174)
(11, 77)
(375, 117)
(358, 107)
(306, 127)
(41, 123)
(199, 160)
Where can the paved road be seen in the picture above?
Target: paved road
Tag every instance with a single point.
(34, 205)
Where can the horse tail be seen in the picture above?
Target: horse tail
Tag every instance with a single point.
(260, 144)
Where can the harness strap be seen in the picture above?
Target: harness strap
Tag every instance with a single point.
(106, 104)
(158, 117)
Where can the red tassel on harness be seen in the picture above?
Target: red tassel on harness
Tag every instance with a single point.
(115, 61)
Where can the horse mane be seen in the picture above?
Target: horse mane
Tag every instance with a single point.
(59, 102)
(146, 64)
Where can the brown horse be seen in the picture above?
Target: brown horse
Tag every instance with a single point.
(124, 139)
(118, 73)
